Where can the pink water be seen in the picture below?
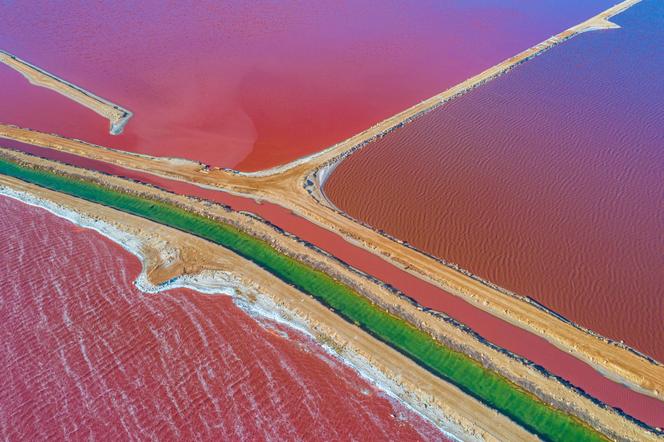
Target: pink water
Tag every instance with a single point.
(256, 84)
(491, 328)
(86, 355)
(548, 181)
(252, 87)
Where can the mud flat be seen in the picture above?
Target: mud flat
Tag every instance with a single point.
(116, 115)
(529, 377)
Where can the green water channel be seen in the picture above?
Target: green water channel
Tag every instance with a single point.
(489, 387)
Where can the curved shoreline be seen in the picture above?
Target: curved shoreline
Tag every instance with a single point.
(254, 301)
(289, 191)
(117, 116)
(553, 389)
(322, 199)
(326, 171)
(598, 22)
(75, 146)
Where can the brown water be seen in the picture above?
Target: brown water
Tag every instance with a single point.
(491, 328)
(548, 181)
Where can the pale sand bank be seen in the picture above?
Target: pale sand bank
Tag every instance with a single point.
(549, 389)
(162, 250)
(116, 115)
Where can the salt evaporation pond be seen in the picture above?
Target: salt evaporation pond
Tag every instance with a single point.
(548, 181)
(257, 84)
(87, 356)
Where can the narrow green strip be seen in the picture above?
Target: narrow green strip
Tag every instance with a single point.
(455, 367)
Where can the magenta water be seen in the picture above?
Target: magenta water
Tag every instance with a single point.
(87, 356)
(257, 84)
(501, 333)
(548, 181)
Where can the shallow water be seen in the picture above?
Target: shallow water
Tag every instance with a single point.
(270, 92)
(494, 330)
(85, 354)
(548, 181)
(253, 85)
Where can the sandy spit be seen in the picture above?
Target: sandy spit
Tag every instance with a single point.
(229, 275)
(116, 115)
(550, 389)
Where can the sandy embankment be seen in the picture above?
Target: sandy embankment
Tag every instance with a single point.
(116, 115)
(293, 185)
(600, 21)
(540, 383)
(172, 259)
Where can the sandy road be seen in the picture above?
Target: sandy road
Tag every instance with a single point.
(298, 187)
(193, 255)
(116, 115)
(448, 406)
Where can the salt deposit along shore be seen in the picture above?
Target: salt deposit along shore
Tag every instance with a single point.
(172, 259)
(116, 114)
(293, 186)
(192, 258)
(520, 341)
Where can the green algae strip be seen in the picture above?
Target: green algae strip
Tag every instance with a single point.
(489, 387)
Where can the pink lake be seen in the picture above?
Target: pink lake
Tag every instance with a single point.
(86, 355)
(254, 85)
(548, 181)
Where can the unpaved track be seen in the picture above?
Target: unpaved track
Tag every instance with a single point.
(194, 257)
(116, 115)
(297, 186)
(468, 418)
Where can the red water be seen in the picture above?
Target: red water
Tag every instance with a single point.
(252, 87)
(87, 356)
(548, 181)
(256, 84)
(489, 327)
